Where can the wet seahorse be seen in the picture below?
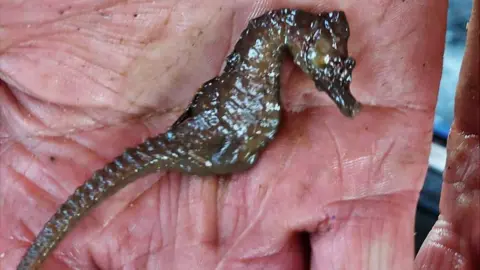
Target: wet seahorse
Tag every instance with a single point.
(232, 117)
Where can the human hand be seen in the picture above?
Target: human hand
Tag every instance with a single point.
(84, 81)
(454, 241)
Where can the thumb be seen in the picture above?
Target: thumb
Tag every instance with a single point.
(454, 242)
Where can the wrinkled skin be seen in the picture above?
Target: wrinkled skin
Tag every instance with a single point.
(84, 81)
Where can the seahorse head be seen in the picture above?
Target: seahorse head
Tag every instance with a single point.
(327, 60)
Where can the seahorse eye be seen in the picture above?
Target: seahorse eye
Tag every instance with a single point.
(320, 54)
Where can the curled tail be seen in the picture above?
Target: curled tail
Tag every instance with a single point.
(146, 158)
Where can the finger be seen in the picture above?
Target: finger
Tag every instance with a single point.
(454, 242)
(467, 100)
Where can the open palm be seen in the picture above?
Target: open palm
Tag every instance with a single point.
(84, 81)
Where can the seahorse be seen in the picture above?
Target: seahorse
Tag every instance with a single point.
(231, 118)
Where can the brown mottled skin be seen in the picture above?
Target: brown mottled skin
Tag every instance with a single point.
(232, 117)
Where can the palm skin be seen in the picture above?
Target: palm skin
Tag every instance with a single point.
(85, 81)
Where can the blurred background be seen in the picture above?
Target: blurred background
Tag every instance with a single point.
(427, 208)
